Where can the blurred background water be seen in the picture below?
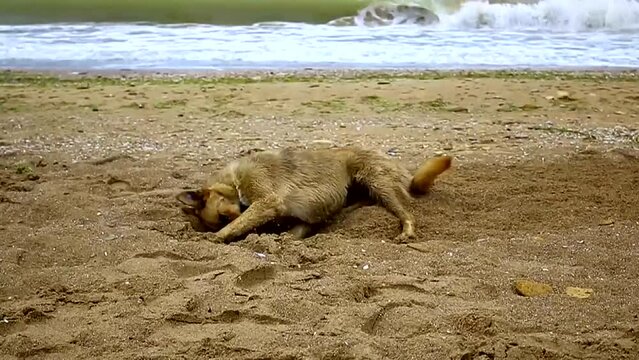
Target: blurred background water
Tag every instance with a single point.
(293, 34)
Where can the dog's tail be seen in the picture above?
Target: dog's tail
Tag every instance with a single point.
(427, 173)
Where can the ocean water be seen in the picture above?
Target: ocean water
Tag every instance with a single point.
(335, 34)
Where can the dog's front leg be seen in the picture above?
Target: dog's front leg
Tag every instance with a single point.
(258, 214)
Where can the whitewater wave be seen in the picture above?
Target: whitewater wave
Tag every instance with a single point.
(390, 14)
(562, 15)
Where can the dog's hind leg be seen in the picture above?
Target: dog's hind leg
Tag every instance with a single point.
(390, 195)
(357, 205)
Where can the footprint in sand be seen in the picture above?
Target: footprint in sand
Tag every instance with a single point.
(256, 276)
(119, 185)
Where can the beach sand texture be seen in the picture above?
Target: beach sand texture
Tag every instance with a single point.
(96, 260)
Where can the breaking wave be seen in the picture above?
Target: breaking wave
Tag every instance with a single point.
(551, 15)
(563, 15)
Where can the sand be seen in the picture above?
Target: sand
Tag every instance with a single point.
(96, 260)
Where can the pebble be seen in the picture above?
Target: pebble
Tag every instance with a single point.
(581, 293)
(530, 107)
(392, 152)
(529, 288)
(606, 222)
(323, 142)
(564, 95)
(458, 109)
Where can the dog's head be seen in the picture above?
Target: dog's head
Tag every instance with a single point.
(213, 207)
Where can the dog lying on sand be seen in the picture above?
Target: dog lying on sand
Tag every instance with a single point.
(356, 197)
(309, 186)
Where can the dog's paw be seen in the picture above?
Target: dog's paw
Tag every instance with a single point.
(214, 238)
(404, 237)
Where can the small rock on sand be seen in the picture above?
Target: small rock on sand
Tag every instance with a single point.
(606, 222)
(564, 95)
(581, 293)
(529, 106)
(529, 288)
(323, 142)
(458, 109)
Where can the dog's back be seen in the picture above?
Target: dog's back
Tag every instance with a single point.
(313, 184)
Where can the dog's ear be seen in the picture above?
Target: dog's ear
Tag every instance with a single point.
(193, 198)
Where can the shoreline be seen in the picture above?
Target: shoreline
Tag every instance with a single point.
(308, 74)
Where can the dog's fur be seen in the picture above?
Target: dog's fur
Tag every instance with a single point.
(308, 185)
(357, 197)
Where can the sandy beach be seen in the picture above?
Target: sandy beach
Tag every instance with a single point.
(96, 260)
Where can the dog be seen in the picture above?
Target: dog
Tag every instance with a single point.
(202, 222)
(309, 186)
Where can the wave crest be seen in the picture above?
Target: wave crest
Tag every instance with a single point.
(381, 14)
(570, 15)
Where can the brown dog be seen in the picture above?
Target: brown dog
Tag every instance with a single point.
(309, 186)
(200, 222)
